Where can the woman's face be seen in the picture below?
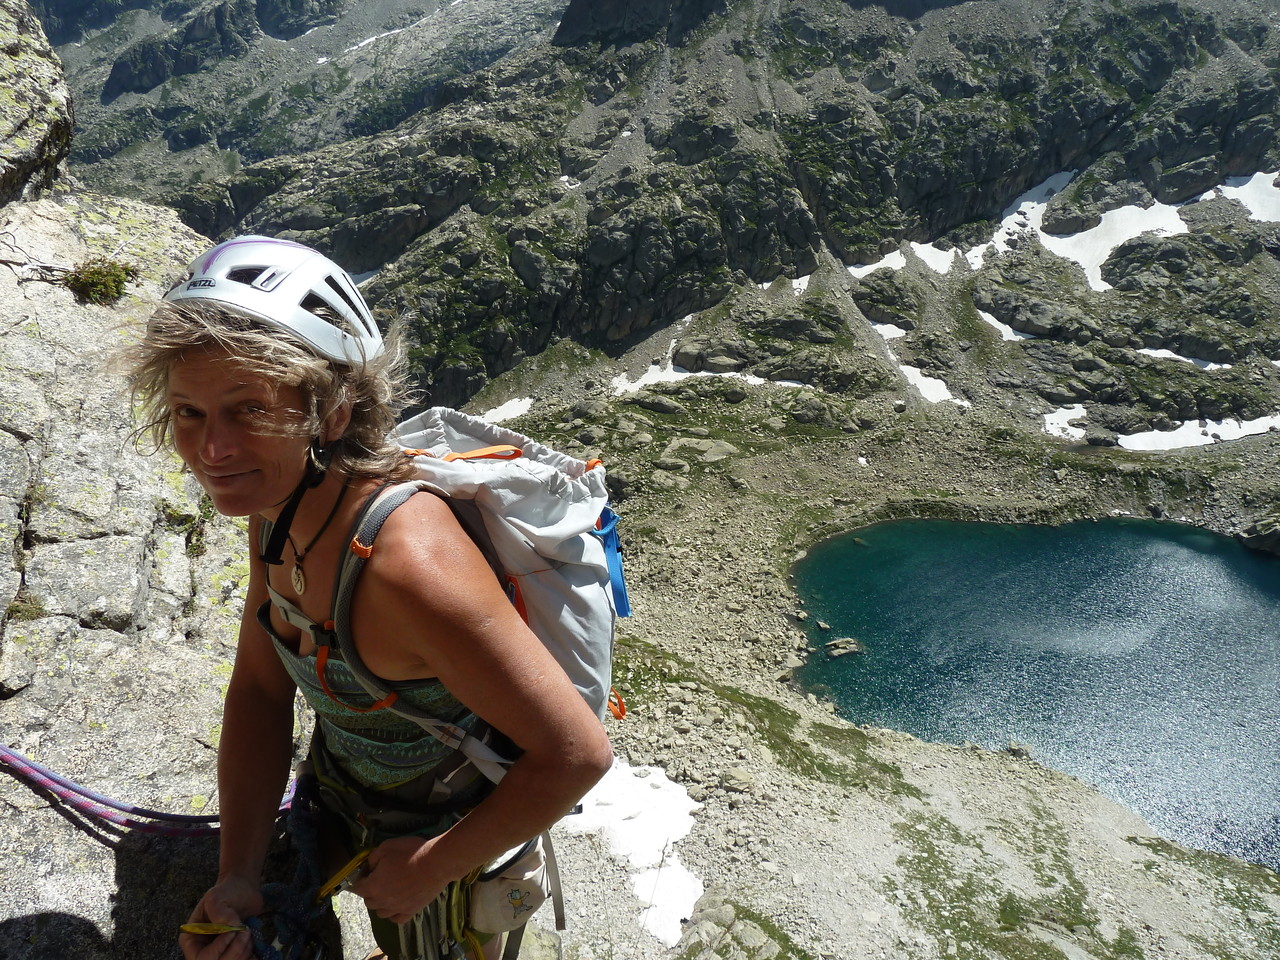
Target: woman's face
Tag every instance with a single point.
(228, 428)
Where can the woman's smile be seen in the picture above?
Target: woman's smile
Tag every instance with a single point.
(235, 431)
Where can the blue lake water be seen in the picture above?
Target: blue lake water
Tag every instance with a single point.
(1142, 657)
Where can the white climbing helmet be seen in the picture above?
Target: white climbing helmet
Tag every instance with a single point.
(283, 284)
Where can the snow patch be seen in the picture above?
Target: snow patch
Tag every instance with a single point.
(1193, 434)
(888, 331)
(1259, 195)
(1170, 355)
(893, 261)
(1006, 332)
(369, 40)
(1059, 422)
(667, 372)
(642, 815)
(1090, 248)
(506, 411)
(1022, 216)
(931, 388)
(939, 261)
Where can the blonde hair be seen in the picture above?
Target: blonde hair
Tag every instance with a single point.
(375, 389)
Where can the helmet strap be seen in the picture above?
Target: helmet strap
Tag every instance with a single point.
(317, 465)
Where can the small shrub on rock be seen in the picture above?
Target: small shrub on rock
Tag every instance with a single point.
(100, 280)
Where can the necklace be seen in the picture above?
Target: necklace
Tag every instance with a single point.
(297, 575)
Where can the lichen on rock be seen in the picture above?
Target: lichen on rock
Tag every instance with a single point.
(36, 119)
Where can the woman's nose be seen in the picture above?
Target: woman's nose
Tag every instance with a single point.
(217, 441)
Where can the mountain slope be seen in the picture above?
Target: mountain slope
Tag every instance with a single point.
(602, 192)
(170, 92)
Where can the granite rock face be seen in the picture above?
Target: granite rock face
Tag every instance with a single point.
(36, 118)
(102, 649)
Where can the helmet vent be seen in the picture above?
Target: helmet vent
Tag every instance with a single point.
(337, 288)
(316, 305)
(246, 275)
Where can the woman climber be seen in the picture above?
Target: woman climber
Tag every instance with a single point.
(265, 371)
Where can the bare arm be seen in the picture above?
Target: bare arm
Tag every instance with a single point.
(254, 756)
(426, 573)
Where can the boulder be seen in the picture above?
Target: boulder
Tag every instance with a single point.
(715, 355)
(1263, 534)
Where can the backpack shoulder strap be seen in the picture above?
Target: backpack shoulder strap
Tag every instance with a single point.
(380, 506)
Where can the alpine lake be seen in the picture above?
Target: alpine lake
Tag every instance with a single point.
(1140, 656)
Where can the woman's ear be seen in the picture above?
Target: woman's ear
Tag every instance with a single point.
(336, 424)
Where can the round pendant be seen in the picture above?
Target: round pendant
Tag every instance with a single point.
(299, 579)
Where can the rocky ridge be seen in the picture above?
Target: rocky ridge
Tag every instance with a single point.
(36, 135)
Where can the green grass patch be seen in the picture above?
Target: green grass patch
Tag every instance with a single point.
(870, 772)
(641, 671)
(25, 607)
(779, 728)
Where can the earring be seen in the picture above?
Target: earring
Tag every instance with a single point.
(318, 458)
(319, 455)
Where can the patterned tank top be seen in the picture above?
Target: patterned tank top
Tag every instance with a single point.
(379, 749)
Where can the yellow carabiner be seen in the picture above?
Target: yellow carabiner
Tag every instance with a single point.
(212, 929)
(344, 877)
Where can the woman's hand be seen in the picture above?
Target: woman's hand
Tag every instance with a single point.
(400, 879)
(229, 901)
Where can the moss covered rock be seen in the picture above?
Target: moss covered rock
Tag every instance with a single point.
(35, 105)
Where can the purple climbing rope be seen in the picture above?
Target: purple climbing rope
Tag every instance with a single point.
(292, 909)
(102, 808)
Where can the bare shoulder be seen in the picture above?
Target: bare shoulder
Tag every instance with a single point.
(425, 571)
(422, 541)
